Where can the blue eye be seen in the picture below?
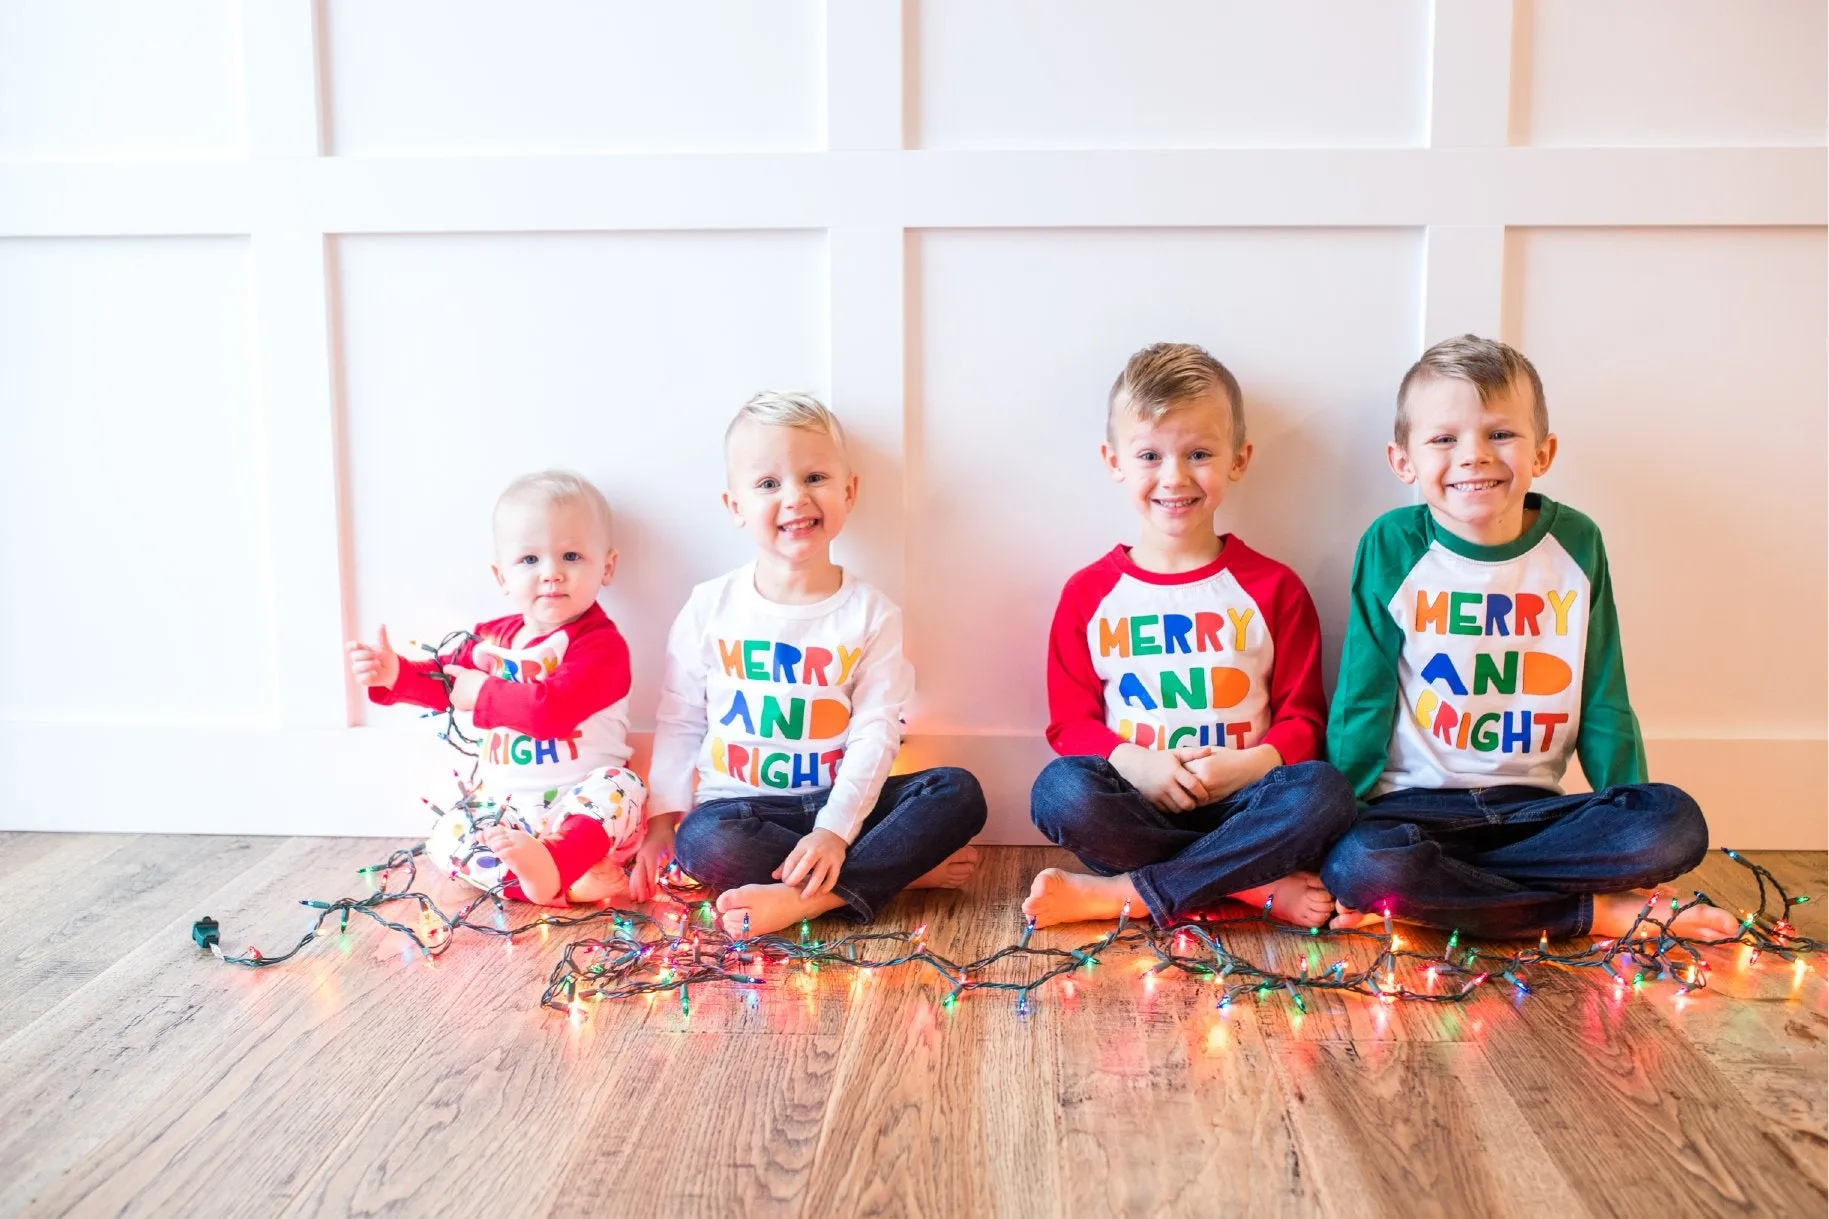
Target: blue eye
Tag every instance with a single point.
(1199, 455)
(528, 559)
(767, 484)
(816, 478)
(1147, 455)
(572, 556)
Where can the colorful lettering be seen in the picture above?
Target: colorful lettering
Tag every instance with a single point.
(1175, 629)
(1207, 627)
(731, 654)
(753, 668)
(1114, 637)
(776, 722)
(786, 657)
(847, 660)
(1487, 674)
(1559, 606)
(1240, 621)
(1497, 606)
(1130, 690)
(817, 660)
(739, 709)
(1441, 668)
(1142, 644)
(1529, 606)
(1461, 618)
(1432, 613)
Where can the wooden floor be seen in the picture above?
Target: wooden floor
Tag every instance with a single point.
(139, 1076)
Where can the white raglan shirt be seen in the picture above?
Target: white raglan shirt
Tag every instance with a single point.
(764, 699)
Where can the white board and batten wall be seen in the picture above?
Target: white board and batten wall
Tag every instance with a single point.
(289, 290)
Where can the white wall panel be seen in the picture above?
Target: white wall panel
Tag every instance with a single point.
(1672, 72)
(1171, 74)
(1021, 335)
(470, 360)
(84, 80)
(1684, 371)
(132, 512)
(442, 77)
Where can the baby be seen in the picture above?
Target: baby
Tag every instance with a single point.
(546, 689)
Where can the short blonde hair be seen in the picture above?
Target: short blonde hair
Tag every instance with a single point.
(1488, 365)
(1164, 376)
(549, 487)
(788, 408)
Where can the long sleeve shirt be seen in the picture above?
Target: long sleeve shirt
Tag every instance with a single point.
(554, 709)
(1228, 655)
(1479, 666)
(764, 699)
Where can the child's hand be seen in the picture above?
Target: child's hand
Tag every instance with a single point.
(465, 683)
(816, 858)
(652, 857)
(1163, 777)
(378, 665)
(1227, 771)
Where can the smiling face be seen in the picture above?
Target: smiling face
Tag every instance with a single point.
(1473, 461)
(552, 557)
(1176, 469)
(790, 490)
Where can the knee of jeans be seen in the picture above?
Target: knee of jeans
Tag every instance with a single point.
(1363, 876)
(701, 846)
(1677, 837)
(1058, 802)
(966, 796)
(1329, 807)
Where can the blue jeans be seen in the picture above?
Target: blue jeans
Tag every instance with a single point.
(919, 820)
(1183, 863)
(1512, 861)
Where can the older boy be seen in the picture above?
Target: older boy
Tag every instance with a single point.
(1184, 684)
(1482, 649)
(783, 695)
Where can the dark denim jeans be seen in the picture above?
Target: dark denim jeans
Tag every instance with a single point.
(919, 820)
(1183, 863)
(1512, 861)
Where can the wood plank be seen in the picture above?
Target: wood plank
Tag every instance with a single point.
(303, 1074)
(1630, 1110)
(1414, 1129)
(712, 1124)
(99, 899)
(20, 849)
(88, 1068)
(907, 1127)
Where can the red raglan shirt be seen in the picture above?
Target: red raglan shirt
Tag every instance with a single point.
(1228, 655)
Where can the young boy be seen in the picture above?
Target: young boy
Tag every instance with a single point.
(547, 690)
(783, 695)
(1184, 684)
(1482, 649)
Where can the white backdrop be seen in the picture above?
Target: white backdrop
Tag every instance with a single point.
(289, 290)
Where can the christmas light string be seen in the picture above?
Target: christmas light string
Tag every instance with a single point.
(640, 956)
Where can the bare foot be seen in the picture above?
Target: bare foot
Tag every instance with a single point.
(1614, 912)
(1348, 919)
(531, 863)
(1072, 897)
(1298, 898)
(770, 908)
(605, 882)
(952, 873)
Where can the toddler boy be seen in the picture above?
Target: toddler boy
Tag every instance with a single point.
(1184, 684)
(783, 696)
(1482, 650)
(547, 690)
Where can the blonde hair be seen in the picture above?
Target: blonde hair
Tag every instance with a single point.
(1488, 365)
(788, 408)
(1164, 376)
(548, 487)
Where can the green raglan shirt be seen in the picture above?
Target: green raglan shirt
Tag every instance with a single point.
(1480, 666)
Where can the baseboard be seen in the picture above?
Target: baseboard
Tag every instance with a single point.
(1761, 794)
